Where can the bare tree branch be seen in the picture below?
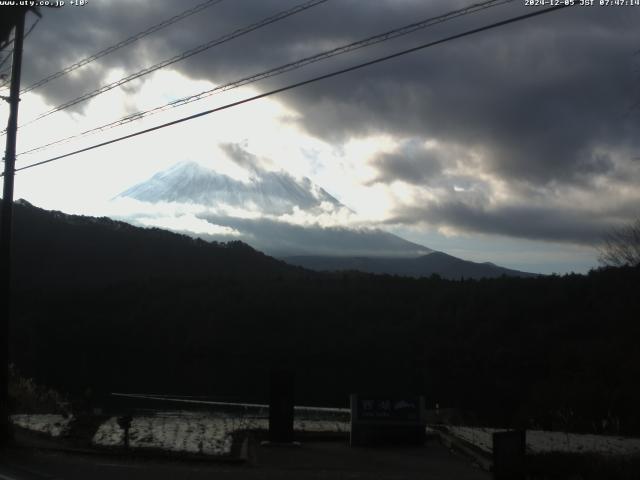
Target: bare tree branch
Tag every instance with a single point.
(621, 246)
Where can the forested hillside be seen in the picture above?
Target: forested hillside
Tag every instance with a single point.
(105, 305)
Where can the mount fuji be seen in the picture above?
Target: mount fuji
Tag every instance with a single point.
(269, 193)
(264, 211)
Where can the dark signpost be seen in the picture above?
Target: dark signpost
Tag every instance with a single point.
(124, 423)
(379, 419)
(509, 455)
(281, 407)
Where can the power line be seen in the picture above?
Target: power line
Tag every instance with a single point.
(5, 74)
(391, 34)
(189, 53)
(123, 43)
(10, 54)
(4, 60)
(32, 27)
(6, 46)
(2, 47)
(302, 83)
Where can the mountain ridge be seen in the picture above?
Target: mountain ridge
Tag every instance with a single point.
(273, 195)
(189, 182)
(434, 263)
(57, 250)
(313, 246)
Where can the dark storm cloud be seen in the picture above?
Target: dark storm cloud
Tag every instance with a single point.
(241, 157)
(411, 163)
(540, 98)
(70, 33)
(539, 95)
(546, 100)
(537, 223)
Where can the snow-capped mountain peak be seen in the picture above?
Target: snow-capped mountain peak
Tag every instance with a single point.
(270, 193)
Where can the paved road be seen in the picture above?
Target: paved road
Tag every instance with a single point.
(313, 460)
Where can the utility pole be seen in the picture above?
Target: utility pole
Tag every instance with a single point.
(5, 226)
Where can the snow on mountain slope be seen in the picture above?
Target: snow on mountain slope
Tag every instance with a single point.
(287, 218)
(272, 211)
(273, 193)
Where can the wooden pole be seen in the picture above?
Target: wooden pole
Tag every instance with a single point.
(5, 227)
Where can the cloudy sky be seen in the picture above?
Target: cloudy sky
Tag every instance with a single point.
(518, 145)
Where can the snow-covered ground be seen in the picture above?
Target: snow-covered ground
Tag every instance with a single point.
(188, 433)
(109, 434)
(54, 425)
(539, 441)
(208, 434)
(211, 433)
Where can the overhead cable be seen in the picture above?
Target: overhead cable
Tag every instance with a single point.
(10, 54)
(375, 39)
(123, 43)
(302, 83)
(189, 53)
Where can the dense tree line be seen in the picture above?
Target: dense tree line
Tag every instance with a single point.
(105, 305)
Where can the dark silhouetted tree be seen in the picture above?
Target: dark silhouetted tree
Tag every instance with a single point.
(621, 246)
